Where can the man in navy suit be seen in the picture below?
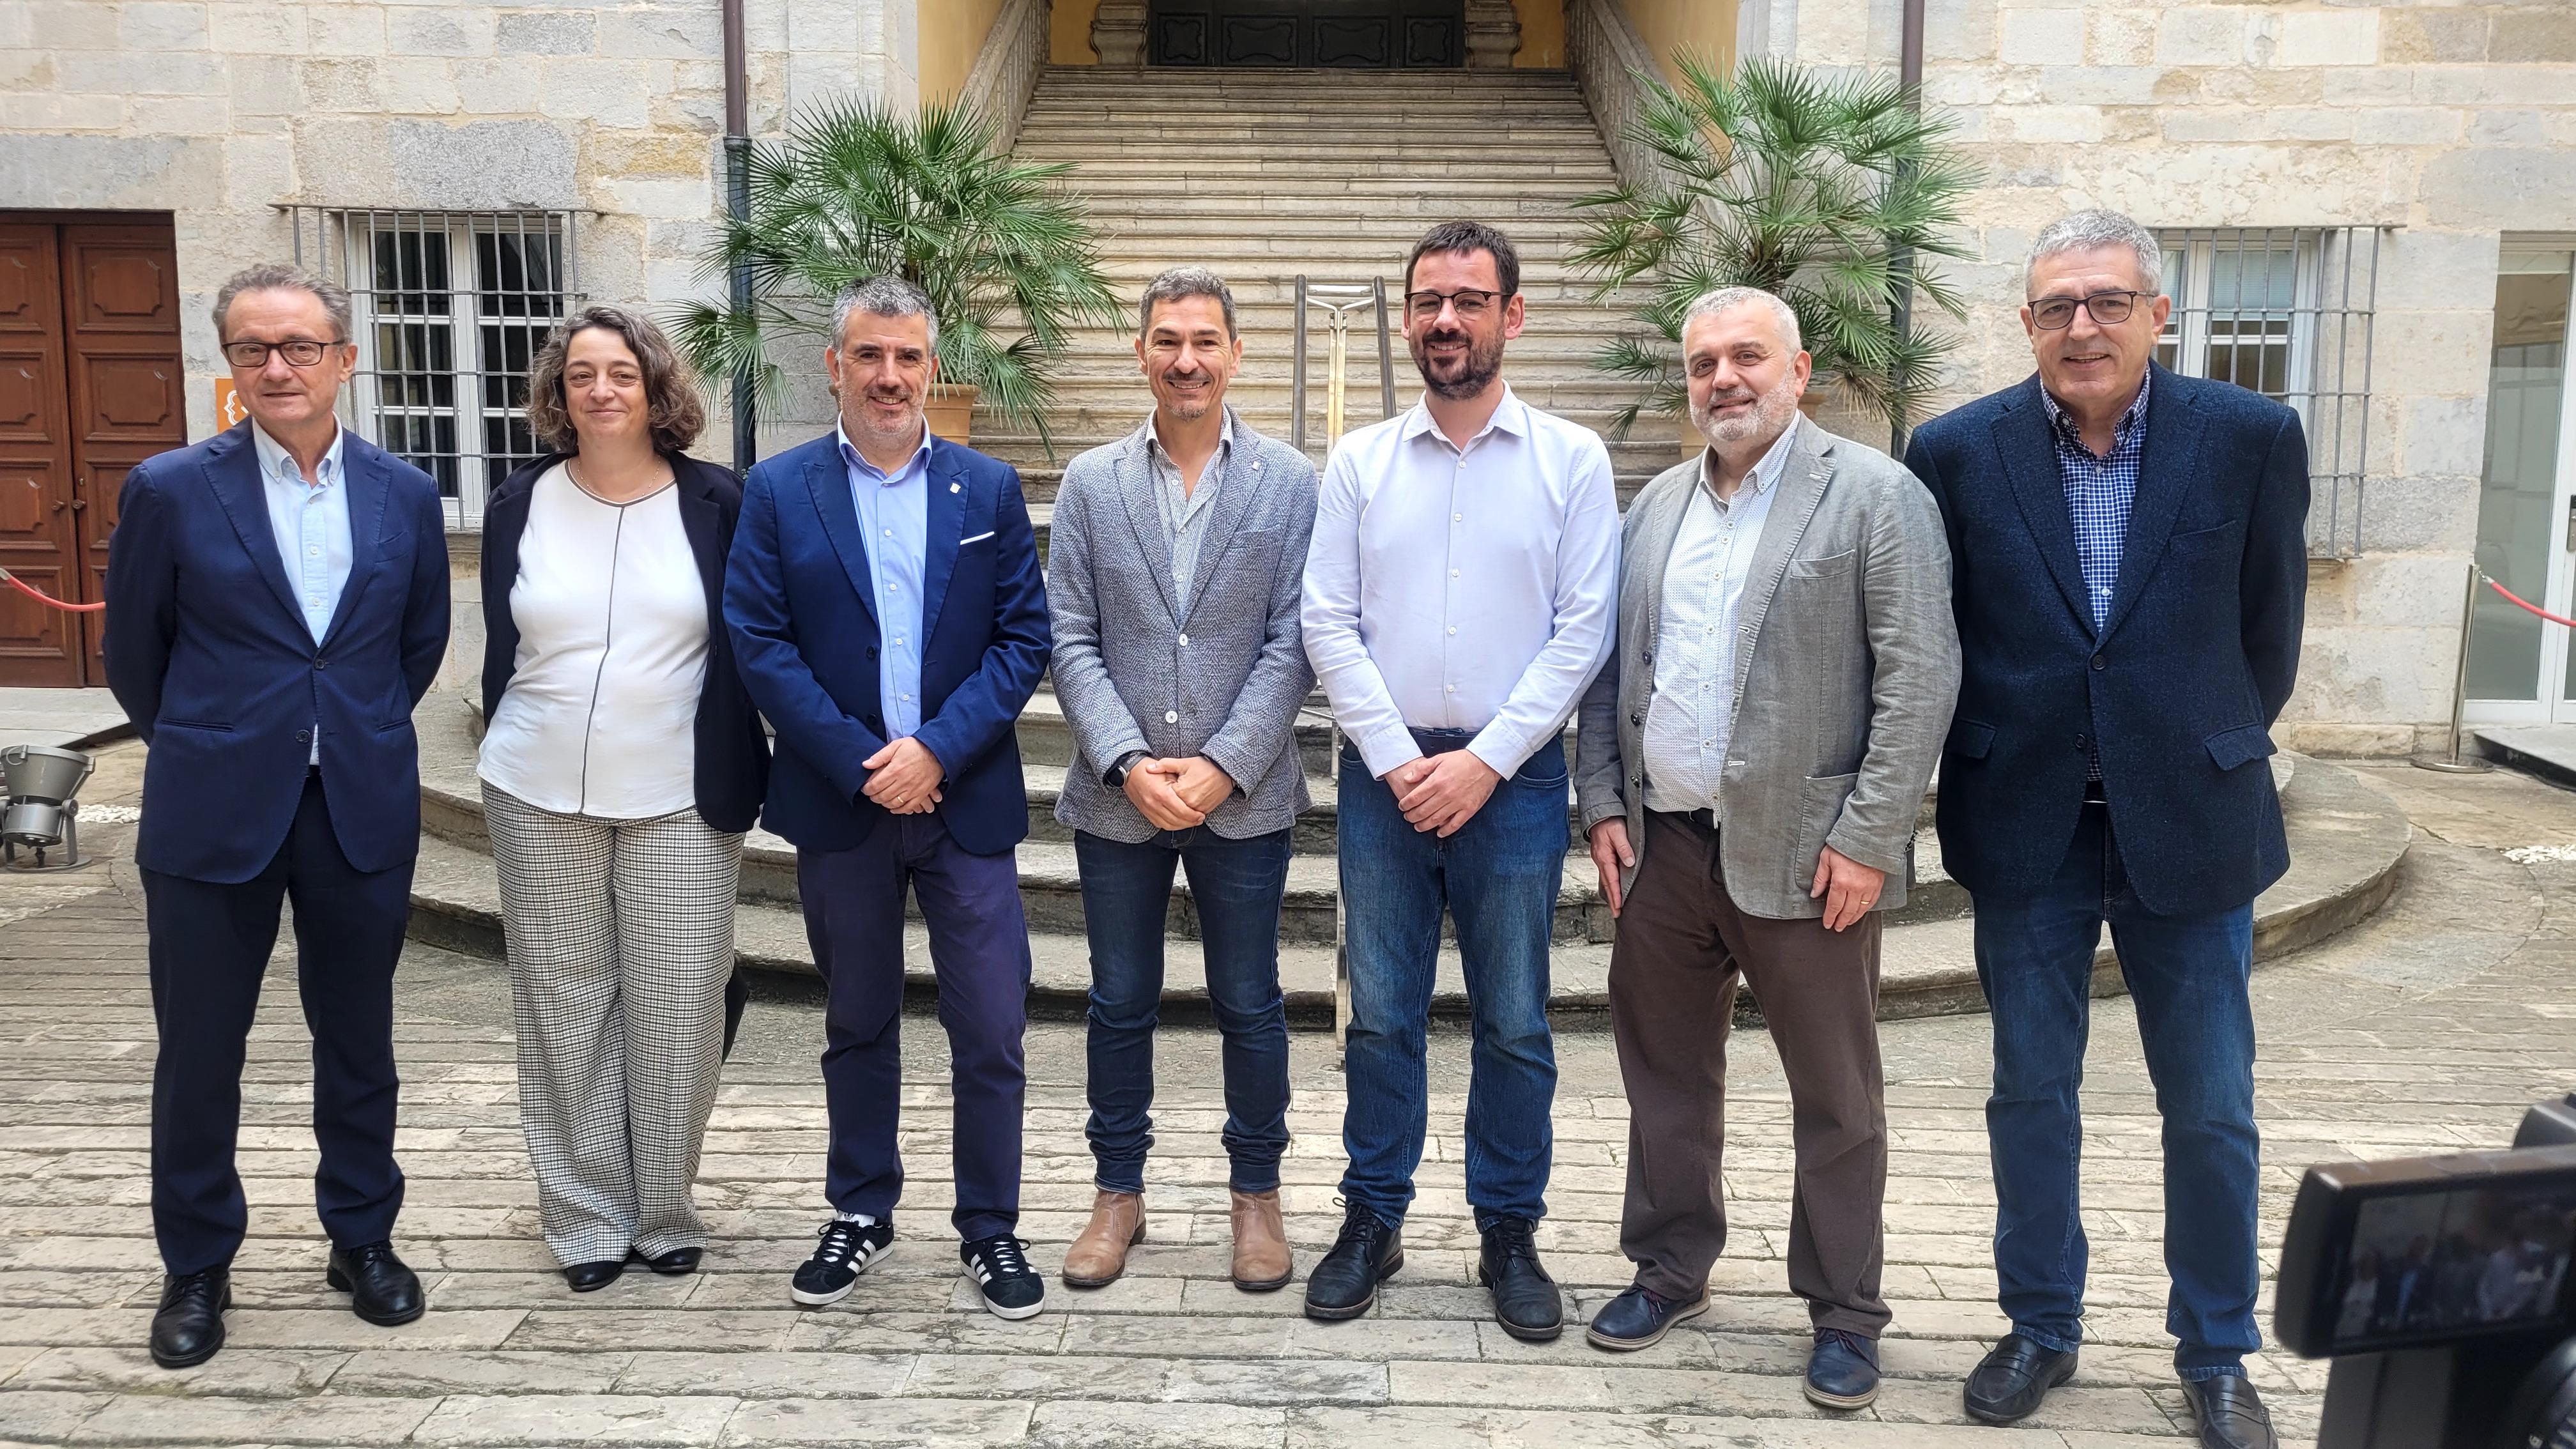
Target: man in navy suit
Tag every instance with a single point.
(276, 604)
(889, 617)
(2130, 567)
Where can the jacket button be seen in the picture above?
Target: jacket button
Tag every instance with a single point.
(2081, 744)
(304, 737)
(1636, 719)
(1171, 716)
(1185, 639)
(321, 663)
(2100, 663)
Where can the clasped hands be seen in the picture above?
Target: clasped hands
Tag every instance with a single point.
(1177, 794)
(904, 777)
(1442, 792)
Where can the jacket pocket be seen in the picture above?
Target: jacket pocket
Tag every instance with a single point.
(1970, 739)
(192, 724)
(1820, 805)
(2231, 748)
(1830, 566)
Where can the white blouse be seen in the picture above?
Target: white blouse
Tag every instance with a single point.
(600, 715)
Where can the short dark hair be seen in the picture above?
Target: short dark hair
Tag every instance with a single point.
(1469, 236)
(672, 406)
(1181, 282)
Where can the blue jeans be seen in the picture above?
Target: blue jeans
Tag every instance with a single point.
(1498, 878)
(1126, 892)
(2187, 975)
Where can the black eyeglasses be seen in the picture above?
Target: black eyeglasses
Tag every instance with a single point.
(2108, 308)
(1468, 302)
(299, 352)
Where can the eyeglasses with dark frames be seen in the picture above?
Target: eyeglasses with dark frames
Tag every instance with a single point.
(298, 351)
(1470, 303)
(2110, 309)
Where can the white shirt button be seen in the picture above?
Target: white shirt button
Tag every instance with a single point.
(1453, 573)
(1453, 628)
(1457, 518)
(1171, 716)
(1453, 689)
(907, 699)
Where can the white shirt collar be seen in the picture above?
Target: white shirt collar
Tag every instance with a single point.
(1511, 415)
(1767, 470)
(276, 462)
(853, 458)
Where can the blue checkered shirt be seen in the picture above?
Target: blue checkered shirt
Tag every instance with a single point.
(2099, 492)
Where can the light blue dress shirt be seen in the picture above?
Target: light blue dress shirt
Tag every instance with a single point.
(894, 515)
(310, 521)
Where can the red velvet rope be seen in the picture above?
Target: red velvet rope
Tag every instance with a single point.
(2524, 603)
(12, 581)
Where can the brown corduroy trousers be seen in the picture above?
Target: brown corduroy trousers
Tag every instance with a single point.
(1682, 948)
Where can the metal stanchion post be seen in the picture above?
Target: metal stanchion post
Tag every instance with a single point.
(2452, 762)
(1341, 929)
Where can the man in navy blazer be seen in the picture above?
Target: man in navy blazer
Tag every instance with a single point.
(890, 620)
(276, 605)
(2130, 567)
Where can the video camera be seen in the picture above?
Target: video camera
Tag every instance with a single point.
(2440, 1288)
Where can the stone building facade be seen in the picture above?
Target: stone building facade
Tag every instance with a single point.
(2442, 136)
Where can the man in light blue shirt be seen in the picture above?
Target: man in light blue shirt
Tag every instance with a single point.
(894, 511)
(310, 519)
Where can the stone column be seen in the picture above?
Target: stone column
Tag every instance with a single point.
(1118, 33)
(1493, 34)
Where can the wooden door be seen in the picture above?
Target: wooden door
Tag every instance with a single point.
(39, 528)
(90, 385)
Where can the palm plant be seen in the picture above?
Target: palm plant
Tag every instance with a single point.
(1826, 191)
(857, 190)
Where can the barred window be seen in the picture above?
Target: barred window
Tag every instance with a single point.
(2286, 311)
(450, 309)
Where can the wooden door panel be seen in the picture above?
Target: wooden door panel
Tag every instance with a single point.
(39, 538)
(121, 309)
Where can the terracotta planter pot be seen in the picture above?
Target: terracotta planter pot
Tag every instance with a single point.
(951, 411)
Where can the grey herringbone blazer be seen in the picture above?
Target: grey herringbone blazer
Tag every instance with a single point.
(1133, 671)
(1846, 670)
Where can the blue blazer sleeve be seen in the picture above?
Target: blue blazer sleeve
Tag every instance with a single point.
(142, 600)
(980, 712)
(2275, 580)
(425, 609)
(766, 649)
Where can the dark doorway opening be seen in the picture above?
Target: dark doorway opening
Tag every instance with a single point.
(90, 385)
(1361, 34)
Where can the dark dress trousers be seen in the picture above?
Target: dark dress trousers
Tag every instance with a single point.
(212, 660)
(799, 606)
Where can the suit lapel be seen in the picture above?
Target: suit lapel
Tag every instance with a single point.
(827, 481)
(1235, 487)
(943, 529)
(1136, 485)
(233, 474)
(364, 479)
(2166, 467)
(2030, 460)
(1802, 488)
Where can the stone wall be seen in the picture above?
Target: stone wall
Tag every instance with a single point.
(222, 112)
(2453, 123)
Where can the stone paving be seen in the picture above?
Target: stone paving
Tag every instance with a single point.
(2429, 1028)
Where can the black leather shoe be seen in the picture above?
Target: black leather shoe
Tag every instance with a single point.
(1639, 1319)
(2014, 1378)
(677, 1262)
(381, 1290)
(1526, 1301)
(1369, 1251)
(2229, 1414)
(591, 1277)
(1842, 1370)
(189, 1325)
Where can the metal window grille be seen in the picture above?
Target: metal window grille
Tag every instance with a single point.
(2287, 312)
(450, 309)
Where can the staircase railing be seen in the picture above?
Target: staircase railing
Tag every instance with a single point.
(1608, 57)
(1339, 299)
(1006, 68)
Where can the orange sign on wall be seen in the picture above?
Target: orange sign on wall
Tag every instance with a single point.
(228, 405)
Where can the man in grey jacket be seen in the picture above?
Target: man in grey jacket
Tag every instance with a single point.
(1173, 575)
(1752, 760)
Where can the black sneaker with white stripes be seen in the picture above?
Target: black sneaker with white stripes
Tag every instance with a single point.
(844, 1253)
(1012, 1289)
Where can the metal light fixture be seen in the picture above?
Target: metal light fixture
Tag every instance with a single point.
(42, 815)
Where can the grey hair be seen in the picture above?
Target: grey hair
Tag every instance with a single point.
(885, 296)
(1727, 299)
(2084, 230)
(1181, 282)
(284, 277)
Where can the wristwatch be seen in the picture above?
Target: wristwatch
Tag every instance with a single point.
(1116, 775)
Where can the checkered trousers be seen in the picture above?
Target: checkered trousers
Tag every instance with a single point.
(620, 938)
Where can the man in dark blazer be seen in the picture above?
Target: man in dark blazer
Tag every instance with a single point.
(888, 616)
(276, 605)
(2129, 569)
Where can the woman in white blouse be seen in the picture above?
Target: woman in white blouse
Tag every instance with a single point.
(621, 763)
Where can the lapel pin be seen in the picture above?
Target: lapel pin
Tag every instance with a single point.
(955, 487)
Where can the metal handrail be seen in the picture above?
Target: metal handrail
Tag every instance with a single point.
(1340, 299)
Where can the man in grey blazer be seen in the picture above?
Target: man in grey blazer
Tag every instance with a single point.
(1173, 575)
(1751, 761)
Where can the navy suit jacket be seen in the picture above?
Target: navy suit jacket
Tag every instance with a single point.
(212, 661)
(2179, 687)
(801, 612)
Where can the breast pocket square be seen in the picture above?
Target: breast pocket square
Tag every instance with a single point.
(979, 538)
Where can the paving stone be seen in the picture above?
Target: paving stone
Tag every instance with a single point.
(240, 1372)
(1155, 1426)
(913, 1423)
(42, 1414)
(543, 1419)
(438, 1371)
(211, 1419)
(775, 1375)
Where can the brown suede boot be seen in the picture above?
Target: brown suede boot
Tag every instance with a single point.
(1099, 1255)
(1261, 1259)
